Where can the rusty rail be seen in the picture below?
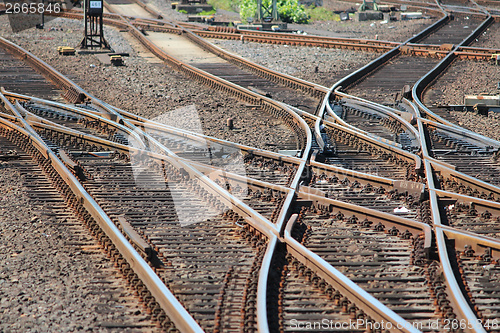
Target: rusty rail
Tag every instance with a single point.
(73, 93)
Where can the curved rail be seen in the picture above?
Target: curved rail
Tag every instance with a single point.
(74, 93)
(162, 295)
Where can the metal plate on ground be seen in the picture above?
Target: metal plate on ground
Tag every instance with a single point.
(104, 58)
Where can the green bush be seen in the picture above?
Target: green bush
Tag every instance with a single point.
(291, 12)
(288, 10)
(248, 9)
(183, 11)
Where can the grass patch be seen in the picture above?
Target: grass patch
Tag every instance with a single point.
(230, 5)
(321, 14)
(183, 11)
(205, 13)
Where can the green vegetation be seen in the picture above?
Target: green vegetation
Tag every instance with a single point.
(248, 9)
(183, 11)
(288, 10)
(291, 12)
(230, 5)
(321, 14)
(205, 13)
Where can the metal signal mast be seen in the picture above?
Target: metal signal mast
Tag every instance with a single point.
(94, 33)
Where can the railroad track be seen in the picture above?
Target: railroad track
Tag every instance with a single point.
(451, 256)
(114, 305)
(411, 68)
(18, 77)
(396, 273)
(160, 25)
(262, 81)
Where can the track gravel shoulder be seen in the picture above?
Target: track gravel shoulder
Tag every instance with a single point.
(467, 78)
(53, 276)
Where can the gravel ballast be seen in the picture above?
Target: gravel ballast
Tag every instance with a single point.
(53, 276)
(467, 78)
(317, 65)
(149, 89)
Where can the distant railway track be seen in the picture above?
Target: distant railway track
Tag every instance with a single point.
(424, 50)
(378, 73)
(288, 210)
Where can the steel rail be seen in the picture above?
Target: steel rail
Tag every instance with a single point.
(312, 89)
(455, 294)
(94, 140)
(267, 105)
(211, 172)
(82, 112)
(481, 205)
(377, 109)
(147, 124)
(471, 136)
(265, 268)
(424, 82)
(424, 137)
(153, 125)
(301, 123)
(73, 92)
(439, 122)
(380, 61)
(403, 154)
(364, 301)
(160, 292)
(157, 25)
(465, 179)
(464, 238)
(251, 216)
(290, 193)
(316, 91)
(457, 298)
(364, 178)
(367, 137)
(287, 80)
(256, 221)
(389, 220)
(148, 9)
